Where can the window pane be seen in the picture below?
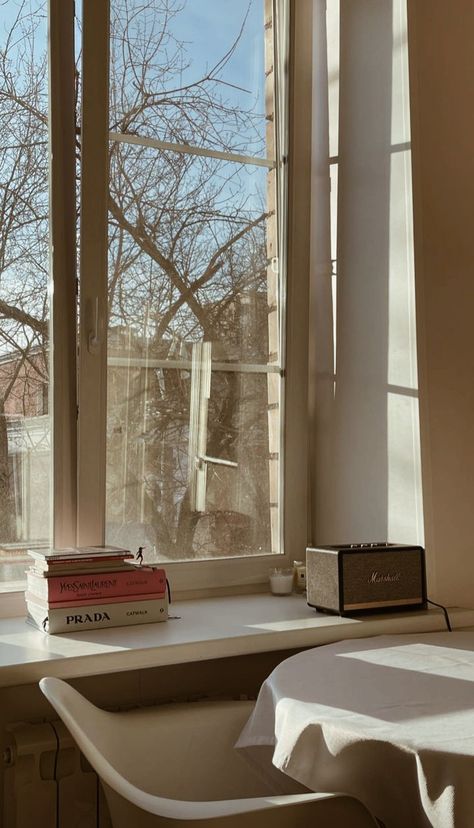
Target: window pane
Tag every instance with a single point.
(24, 307)
(153, 460)
(189, 240)
(194, 320)
(192, 72)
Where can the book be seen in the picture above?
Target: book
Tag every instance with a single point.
(75, 602)
(74, 567)
(53, 556)
(138, 580)
(97, 616)
(103, 550)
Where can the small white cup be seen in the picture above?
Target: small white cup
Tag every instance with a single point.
(281, 581)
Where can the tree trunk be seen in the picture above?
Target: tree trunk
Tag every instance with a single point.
(6, 496)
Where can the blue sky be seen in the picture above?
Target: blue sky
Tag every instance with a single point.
(10, 8)
(210, 27)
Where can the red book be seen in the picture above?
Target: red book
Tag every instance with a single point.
(140, 580)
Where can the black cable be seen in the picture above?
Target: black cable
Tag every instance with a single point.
(55, 771)
(169, 591)
(446, 616)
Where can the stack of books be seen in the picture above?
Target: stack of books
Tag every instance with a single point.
(92, 587)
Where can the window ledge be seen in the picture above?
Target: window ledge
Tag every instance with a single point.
(207, 628)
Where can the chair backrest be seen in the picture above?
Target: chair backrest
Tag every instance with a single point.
(180, 751)
(169, 766)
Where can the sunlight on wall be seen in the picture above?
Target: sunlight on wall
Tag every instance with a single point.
(405, 508)
(366, 480)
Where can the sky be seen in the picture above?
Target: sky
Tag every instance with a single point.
(208, 27)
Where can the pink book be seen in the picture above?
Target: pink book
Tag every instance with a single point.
(140, 580)
(84, 602)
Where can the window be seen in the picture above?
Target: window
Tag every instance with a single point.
(186, 351)
(194, 357)
(25, 423)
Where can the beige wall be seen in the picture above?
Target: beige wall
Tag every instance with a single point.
(442, 86)
(366, 469)
(369, 482)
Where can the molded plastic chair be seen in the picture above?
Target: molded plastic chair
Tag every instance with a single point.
(172, 766)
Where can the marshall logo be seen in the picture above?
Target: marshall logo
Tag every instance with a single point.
(82, 619)
(383, 577)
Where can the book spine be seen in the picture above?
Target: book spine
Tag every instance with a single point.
(96, 587)
(98, 616)
(83, 569)
(77, 602)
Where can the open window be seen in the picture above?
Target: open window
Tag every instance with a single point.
(175, 120)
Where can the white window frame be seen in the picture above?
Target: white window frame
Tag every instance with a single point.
(63, 322)
(79, 414)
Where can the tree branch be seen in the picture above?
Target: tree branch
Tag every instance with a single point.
(19, 315)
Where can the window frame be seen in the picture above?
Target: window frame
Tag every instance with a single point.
(92, 367)
(63, 279)
(79, 412)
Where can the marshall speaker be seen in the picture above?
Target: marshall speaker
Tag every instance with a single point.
(364, 577)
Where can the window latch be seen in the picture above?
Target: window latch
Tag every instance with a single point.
(215, 461)
(93, 340)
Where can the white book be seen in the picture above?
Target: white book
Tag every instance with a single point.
(97, 616)
(79, 553)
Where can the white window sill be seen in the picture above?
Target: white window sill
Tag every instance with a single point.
(208, 628)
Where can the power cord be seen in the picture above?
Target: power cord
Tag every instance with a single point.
(55, 773)
(446, 616)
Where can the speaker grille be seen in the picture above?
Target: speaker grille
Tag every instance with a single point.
(382, 579)
(322, 581)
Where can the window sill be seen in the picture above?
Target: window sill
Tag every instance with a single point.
(207, 628)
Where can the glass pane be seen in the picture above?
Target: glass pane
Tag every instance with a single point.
(189, 245)
(25, 471)
(194, 72)
(194, 325)
(151, 465)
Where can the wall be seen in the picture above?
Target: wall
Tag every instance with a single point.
(365, 457)
(442, 81)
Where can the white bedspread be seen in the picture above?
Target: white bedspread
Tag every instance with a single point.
(388, 719)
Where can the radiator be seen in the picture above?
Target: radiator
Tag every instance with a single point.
(48, 782)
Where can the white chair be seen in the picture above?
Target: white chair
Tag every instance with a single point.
(172, 766)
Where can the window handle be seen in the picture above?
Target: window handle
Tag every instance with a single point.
(215, 461)
(93, 341)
